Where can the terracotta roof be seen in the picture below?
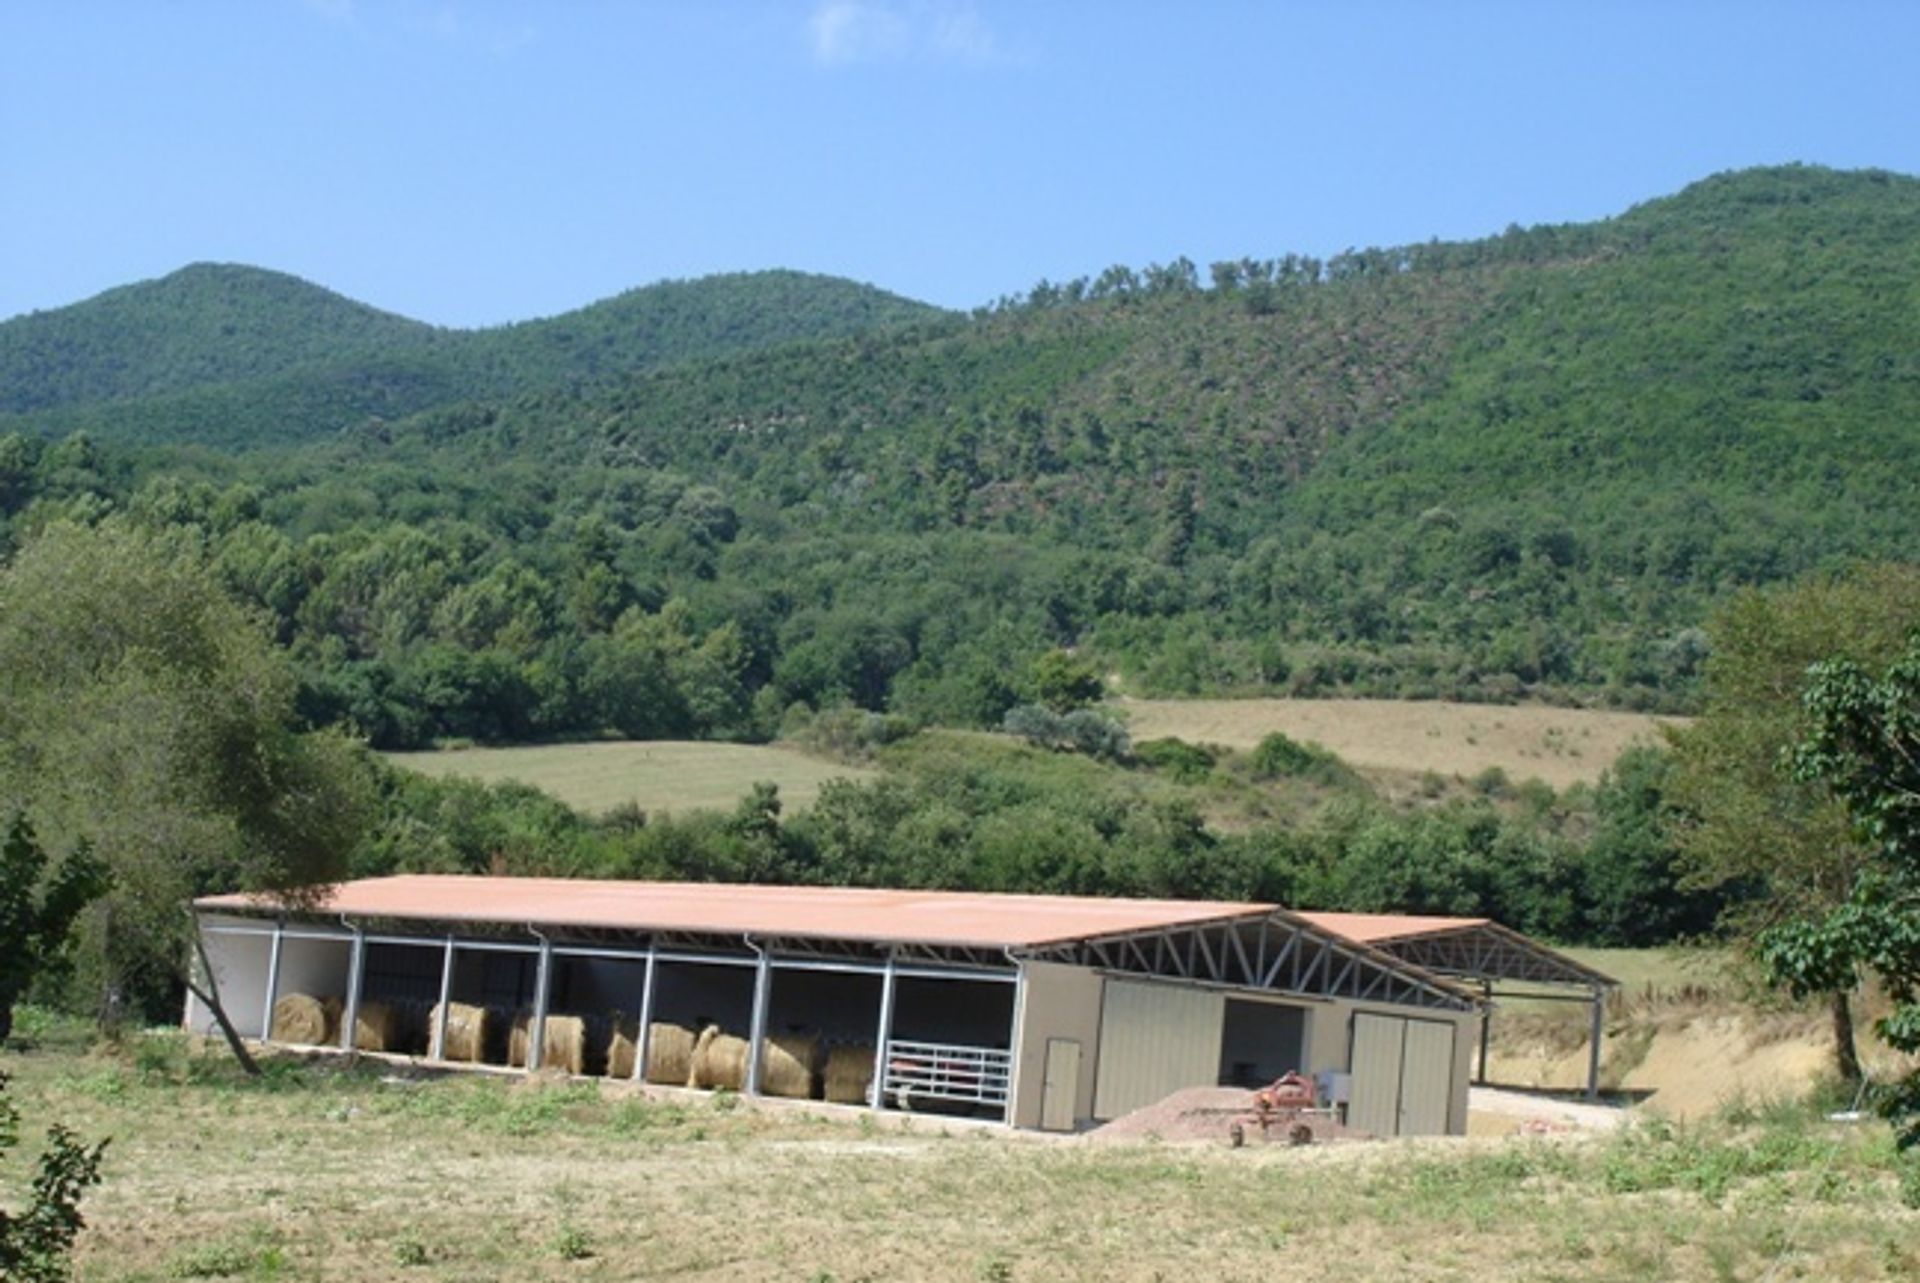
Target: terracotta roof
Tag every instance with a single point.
(950, 918)
(1373, 928)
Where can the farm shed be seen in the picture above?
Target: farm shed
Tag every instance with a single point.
(1481, 952)
(1040, 1011)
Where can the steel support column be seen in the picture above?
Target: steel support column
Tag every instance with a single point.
(883, 1035)
(537, 1027)
(356, 974)
(1486, 1031)
(757, 1027)
(643, 1038)
(437, 1047)
(1015, 1043)
(1593, 1048)
(273, 982)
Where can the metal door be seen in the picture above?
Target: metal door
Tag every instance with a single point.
(1402, 1075)
(1154, 1040)
(1426, 1078)
(1379, 1046)
(1061, 1085)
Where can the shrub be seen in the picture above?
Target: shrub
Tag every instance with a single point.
(1279, 755)
(1188, 763)
(35, 1244)
(1082, 731)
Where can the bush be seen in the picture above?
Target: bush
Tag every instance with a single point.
(1281, 756)
(1187, 763)
(36, 1243)
(1082, 731)
(852, 734)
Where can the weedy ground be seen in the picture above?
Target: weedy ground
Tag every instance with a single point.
(328, 1170)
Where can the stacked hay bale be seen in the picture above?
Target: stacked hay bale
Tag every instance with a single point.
(306, 1020)
(466, 1036)
(670, 1054)
(374, 1027)
(622, 1043)
(849, 1074)
(719, 1061)
(790, 1066)
(564, 1043)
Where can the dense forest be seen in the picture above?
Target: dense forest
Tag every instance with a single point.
(1523, 467)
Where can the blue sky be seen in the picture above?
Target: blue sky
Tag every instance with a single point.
(471, 163)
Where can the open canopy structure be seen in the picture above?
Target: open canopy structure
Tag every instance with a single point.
(1245, 945)
(1482, 952)
(1048, 1011)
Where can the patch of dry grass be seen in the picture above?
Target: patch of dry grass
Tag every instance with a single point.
(1562, 746)
(656, 775)
(327, 1173)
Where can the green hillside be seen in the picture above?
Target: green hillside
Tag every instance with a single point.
(239, 357)
(211, 323)
(1523, 467)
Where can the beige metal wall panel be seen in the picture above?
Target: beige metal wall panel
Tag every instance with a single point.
(1379, 1045)
(240, 977)
(1155, 1039)
(1058, 1093)
(1426, 1078)
(1061, 1002)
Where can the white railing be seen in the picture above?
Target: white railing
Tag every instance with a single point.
(929, 1071)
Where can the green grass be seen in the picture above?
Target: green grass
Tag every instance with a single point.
(332, 1171)
(655, 775)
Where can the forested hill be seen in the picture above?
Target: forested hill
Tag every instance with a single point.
(240, 357)
(204, 324)
(1522, 466)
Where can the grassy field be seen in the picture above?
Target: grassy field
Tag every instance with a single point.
(658, 775)
(1559, 745)
(326, 1172)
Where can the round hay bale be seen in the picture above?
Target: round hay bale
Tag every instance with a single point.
(789, 1066)
(697, 1057)
(720, 1062)
(300, 1018)
(669, 1054)
(849, 1075)
(565, 1039)
(466, 1037)
(621, 1045)
(517, 1039)
(374, 1027)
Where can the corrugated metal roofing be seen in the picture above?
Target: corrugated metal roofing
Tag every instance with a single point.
(1373, 928)
(948, 918)
(1476, 947)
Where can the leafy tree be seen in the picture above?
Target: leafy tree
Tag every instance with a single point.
(1631, 897)
(35, 1243)
(35, 920)
(143, 711)
(1063, 681)
(1779, 846)
(1864, 744)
